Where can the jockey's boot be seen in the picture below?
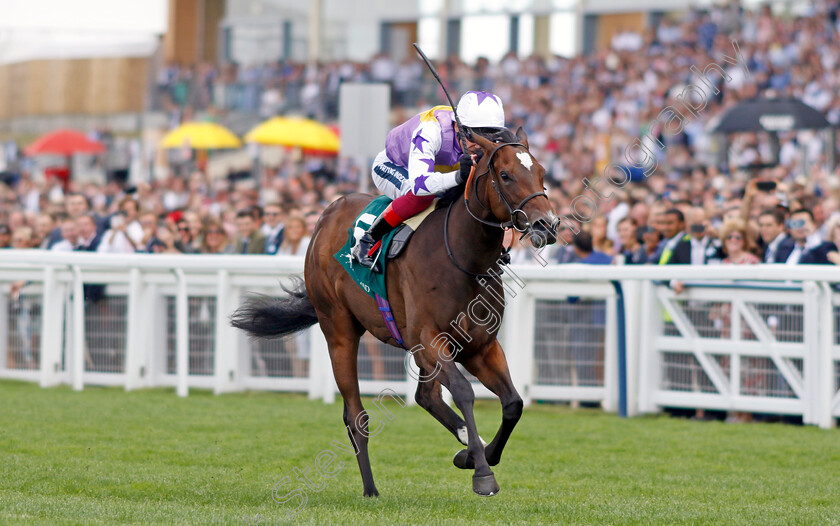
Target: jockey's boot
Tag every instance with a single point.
(365, 251)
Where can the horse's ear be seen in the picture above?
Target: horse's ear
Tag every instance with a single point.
(522, 137)
(486, 144)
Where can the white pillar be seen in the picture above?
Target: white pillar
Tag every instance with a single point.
(315, 27)
(78, 329)
(182, 335)
(134, 332)
(228, 374)
(52, 309)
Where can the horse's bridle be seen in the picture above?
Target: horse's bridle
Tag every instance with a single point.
(511, 210)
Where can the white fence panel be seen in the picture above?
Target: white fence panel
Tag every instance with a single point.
(163, 321)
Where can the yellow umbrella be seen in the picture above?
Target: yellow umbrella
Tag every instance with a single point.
(295, 131)
(201, 136)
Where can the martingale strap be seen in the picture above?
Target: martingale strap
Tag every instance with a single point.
(388, 316)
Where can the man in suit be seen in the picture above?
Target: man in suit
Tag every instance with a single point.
(88, 241)
(777, 244)
(675, 249)
(273, 227)
(250, 240)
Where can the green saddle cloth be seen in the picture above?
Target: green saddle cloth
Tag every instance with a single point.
(371, 282)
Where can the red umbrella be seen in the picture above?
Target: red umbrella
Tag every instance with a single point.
(63, 142)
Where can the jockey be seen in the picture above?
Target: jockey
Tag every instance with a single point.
(423, 158)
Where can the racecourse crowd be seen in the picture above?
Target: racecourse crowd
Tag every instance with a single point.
(579, 113)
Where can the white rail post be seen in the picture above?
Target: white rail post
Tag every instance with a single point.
(228, 374)
(78, 329)
(52, 316)
(649, 359)
(811, 366)
(825, 382)
(182, 334)
(632, 333)
(518, 341)
(321, 384)
(4, 329)
(155, 358)
(610, 402)
(133, 345)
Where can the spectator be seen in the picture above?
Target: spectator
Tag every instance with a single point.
(632, 251)
(704, 246)
(736, 244)
(22, 237)
(565, 252)
(69, 237)
(185, 242)
(273, 227)
(777, 245)
(44, 226)
(585, 252)
(88, 240)
(675, 248)
(215, 240)
(801, 226)
(249, 240)
(166, 242)
(737, 248)
(600, 241)
(115, 240)
(130, 210)
(651, 238)
(826, 253)
(196, 227)
(149, 223)
(295, 240)
(5, 236)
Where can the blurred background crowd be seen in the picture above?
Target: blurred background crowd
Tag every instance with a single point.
(740, 201)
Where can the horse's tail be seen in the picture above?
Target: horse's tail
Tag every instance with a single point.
(266, 317)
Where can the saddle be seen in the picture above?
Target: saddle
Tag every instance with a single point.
(404, 231)
(393, 244)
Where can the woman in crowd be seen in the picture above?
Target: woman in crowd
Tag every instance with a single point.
(295, 240)
(737, 247)
(737, 244)
(215, 240)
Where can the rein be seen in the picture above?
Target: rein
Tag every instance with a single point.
(504, 226)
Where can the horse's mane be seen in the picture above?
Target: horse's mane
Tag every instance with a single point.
(453, 194)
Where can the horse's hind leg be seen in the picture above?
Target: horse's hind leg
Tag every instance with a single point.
(490, 367)
(343, 340)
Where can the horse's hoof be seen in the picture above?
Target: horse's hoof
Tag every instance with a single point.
(372, 493)
(485, 486)
(462, 460)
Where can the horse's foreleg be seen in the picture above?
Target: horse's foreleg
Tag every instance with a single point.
(428, 396)
(484, 482)
(490, 367)
(343, 341)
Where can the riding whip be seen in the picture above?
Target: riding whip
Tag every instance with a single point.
(462, 132)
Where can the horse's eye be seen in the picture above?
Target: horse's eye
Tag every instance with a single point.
(505, 176)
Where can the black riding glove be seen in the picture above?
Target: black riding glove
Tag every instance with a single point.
(465, 162)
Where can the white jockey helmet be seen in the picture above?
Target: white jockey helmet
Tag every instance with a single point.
(479, 109)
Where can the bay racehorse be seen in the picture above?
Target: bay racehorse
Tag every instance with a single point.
(433, 286)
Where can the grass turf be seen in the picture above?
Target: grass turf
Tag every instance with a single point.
(104, 456)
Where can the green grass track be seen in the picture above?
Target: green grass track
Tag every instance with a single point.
(105, 456)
